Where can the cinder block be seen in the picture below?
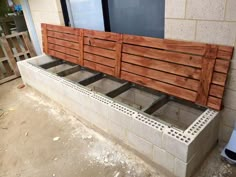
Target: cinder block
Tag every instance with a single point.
(180, 168)
(139, 144)
(230, 10)
(147, 132)
(216, 32)
(163, 158)
(120, 115)
(180, 29)
(175, 8)
(205, 9)
(231, 81)
(229, 99)
(117, 131)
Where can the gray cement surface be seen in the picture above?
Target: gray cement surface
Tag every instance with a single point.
(38, 138)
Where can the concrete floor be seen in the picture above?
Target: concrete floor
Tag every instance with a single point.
(40, 139)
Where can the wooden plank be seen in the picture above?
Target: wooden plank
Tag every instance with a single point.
(156, 104)
(63, 49)
(100, 43)
(174, 57)
(180, 70)
(16, 45)
(63, 56)
(114, 93)
(160, 86)
(119, 47)
(99, 51)
(101, 35)
(172, 45)
(99, 67)
(216, 91)
(68, 71)
(64, 43)
(219, 78)
(81, 44)
(29, 44)
(99, 59)
(225, 52)
(161, 76)
(62, 29)
(2, 81)
(214, 103)
(8, 68)
(208, 65)
(12, 60)
(45, 37)
(222, 66)
(64, 36)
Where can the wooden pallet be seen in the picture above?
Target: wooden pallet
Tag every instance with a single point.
(192, 71)
(14, 47)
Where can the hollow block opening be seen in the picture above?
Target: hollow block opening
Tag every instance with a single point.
(80, 75)
(179, 115)
(104, 85)
(137, 98)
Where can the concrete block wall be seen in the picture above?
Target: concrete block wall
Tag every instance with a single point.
(212, 21)
(176, 151)
(45, 11)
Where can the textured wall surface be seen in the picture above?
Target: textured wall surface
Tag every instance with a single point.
(45, 11)
(212, 21)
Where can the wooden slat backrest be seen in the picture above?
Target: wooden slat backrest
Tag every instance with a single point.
(192, 71)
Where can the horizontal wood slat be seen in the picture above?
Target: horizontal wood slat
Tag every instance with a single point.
(99, 67)
(178, 58)
(99, 59)
(163, 87)
(179, 68)
(100, 43)
(161, 76)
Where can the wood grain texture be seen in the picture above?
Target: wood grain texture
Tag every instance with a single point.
(160, 86)
(193, 71)
(208, 65)
(99, 67)
(45, 37)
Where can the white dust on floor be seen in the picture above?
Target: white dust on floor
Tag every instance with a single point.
(100, 150)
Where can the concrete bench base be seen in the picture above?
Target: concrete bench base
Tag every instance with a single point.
(180, 152)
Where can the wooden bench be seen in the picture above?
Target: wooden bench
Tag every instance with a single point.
(193, 71)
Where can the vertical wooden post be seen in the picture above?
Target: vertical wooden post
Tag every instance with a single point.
(45, 37)
(81, 44)
(28, 44)
(10, 56)
(118, 55)
(208, 64)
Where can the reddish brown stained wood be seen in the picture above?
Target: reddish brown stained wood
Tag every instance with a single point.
(119, 47)
(99, 51)
(45, 38)
(208, 65)
(63, 49)
(99, 59)
(180, 70)
(173, 45)
(163, 87)
(222, 66)
(99, 67)
(219, 79)
(62, 29)
(81, 45)
(216, 91)
(64, 36)
(225, 52)
(214, 103)
(68, 44)
(174, 57)
(161, 76)
(101, 35)
(63, 56)
(100, 43)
